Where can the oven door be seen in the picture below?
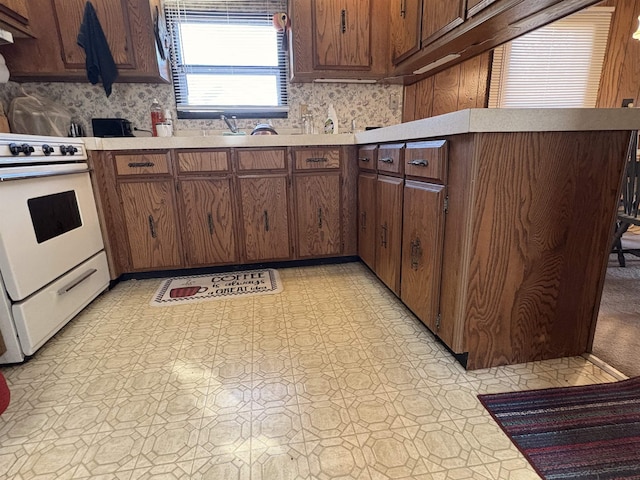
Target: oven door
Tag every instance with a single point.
(49, 224)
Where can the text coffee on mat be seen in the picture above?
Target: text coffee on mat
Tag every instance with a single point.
(198, 288)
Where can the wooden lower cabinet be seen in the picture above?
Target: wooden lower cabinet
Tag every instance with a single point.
(422, 242)
(150, 220)
(389, 230)
(265, 217)
(367, 218)
(318, 214)
(207, 220)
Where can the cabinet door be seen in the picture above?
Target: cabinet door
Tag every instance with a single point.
(389, 230)
(151, 224)
(208, 227)
(113, 19)
(405, 19)
(475, 6)
(342, 34)
(318, 214)
(16, 8)
(367, 218)
(422, 243)
(440, 16)
(265, 217)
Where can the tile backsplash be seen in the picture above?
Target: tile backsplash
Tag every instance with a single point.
(366, 104)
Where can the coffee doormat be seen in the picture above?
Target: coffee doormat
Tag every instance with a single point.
(199, 288)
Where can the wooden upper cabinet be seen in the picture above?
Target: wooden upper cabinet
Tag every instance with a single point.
(475, 6)
(405, 18)
(128, 27)
(114, 22)
(342, 34)
(441, 16)
(338, 39)
(14, 17)
(208, 226)
(318, 214)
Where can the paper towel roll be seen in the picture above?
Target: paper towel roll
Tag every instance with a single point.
(4, 71)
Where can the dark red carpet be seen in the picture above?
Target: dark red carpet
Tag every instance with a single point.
(586, 432)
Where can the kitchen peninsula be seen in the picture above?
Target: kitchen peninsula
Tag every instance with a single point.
(492, 226)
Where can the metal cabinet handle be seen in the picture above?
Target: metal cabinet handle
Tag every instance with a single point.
(403, 8)
(141, 164)
(383, 236)
(343, 21)
(363, 159)
(316, 159)
(266, 221)
(152, 227)
(416, 253)
(386, 160)
(73, 284)
(419, 163)
(210, 222)
(363, 221)
(320, 217)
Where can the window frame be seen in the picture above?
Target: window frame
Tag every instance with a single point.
(179, 70)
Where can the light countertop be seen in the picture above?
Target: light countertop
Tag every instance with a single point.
(455, 123)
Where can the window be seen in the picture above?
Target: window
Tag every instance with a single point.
(227, 58)
(556, 66)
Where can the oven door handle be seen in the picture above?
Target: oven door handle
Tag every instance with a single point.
(70, 286)
(27, 176)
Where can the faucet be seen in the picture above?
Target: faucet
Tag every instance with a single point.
(230, 123)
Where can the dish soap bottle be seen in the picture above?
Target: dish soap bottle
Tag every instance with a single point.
(331, 124)
(157, 116)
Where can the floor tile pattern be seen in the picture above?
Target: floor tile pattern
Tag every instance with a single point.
(332, 378)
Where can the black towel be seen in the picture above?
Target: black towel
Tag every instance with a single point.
(99, 61)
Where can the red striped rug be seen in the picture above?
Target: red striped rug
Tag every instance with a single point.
(577, 433)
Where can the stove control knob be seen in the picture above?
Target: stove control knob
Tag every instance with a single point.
(27, 149)
(15, 149)
(70, 149)
(47, 149)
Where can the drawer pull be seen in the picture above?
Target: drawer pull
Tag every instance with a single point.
(316, 159)
(386, 160)
(419, 163)
(363, 221)
(70, 286)
(152, 227)
(343, 21)
(266, 221)
(383, 235)
(141, 164)
(416, 254)
(363, 159)
(320, 218)
(210, 222)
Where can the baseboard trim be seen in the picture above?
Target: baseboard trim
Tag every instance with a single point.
(604, 366)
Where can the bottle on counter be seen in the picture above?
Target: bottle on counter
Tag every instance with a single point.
(157, 116)
(331, 123)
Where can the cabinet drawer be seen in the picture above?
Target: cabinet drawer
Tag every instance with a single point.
(262, 159)
(214, 161)
(316, 158)
(142, 164)
(368, 157)
(426, 159)
(390, 158)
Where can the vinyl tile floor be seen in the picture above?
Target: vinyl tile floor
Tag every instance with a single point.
(332, 378)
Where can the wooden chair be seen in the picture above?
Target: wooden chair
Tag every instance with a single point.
(629, 201)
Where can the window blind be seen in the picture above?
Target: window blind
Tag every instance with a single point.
(227, 57)
(558, 65)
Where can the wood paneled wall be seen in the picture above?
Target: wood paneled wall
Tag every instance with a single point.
(621, 69)
(462, 86)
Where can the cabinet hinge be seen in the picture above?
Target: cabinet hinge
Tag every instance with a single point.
(446, 204)
(438, 318)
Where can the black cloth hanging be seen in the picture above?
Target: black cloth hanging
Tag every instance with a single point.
(99, 63)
